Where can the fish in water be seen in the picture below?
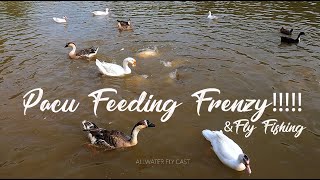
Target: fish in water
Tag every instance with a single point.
(166, 64)
(145, 53)
(174, 74)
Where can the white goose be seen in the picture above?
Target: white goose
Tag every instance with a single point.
(60, 20)
(227, 150)
(212, 16)
(101, 13)
(110, 69)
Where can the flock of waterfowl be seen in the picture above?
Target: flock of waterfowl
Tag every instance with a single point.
(225, 148)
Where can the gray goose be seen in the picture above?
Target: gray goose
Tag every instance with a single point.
(84, 53)
(114, 139)
(124, 26)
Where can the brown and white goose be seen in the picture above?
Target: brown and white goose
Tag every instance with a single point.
(286, 31)
(124, 25)
(114, 139)
(84, 53)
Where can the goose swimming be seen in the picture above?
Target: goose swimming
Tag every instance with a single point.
(212, 16)
(290, 40)
(114, 139)
(101, 13)
(110, 69)
(124, 25)
(227, 150)
(84, 53)
(60, 20)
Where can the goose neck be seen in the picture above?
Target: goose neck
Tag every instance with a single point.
(73, 47)
(298, 38)
(134, 135)
(72, 53)
(126, 67)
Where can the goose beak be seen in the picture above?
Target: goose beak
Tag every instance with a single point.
(248, 169)
(134, 63)
(151, 125)
(66, 45)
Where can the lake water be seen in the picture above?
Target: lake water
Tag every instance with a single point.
(240, 54)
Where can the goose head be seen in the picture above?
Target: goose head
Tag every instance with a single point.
(301, 33)
(70, 44)
(136, 129)
(144, 124)
(65, 17)
(87, 125)
(131, 61)
(246, 161)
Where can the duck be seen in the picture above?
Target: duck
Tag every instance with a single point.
(212, 16)
(60, 20)
(114, 139)
(227, 150)
(84, 53)
(144, 53)
(110, 69)
(286, 31)
(101, 13)
(290, 40)
(124, 25)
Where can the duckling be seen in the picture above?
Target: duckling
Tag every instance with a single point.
(124, 26)
(114, 139)
(286, 31)
(84, 53)
(290, 40)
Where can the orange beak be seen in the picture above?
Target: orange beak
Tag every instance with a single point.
(248, 169)
(134, 63)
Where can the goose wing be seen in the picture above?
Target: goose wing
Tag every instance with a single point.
(113, 139)
(225, 148)
(287, 39)
(102, 137)
(86, 52)
(123, 23)
(58, 20)
(110, 69)
(99, 13)
(120, 135)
